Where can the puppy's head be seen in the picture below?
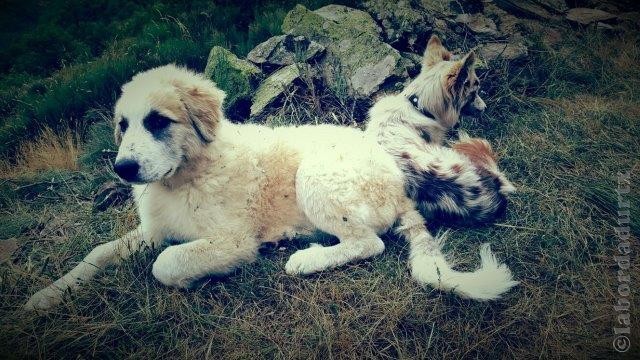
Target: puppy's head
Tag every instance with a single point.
(164, 117)
(446, 87)
(482, 156)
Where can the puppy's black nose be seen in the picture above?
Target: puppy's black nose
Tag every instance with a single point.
(127, 169)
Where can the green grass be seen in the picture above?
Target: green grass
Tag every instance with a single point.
(565, 123)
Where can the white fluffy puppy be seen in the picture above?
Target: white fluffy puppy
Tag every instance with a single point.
(222, 189)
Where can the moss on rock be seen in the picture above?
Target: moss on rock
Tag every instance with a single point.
(237, 77)
(355, 51)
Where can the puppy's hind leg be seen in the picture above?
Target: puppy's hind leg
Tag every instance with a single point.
(181, 265)
(100, 257)
(338, 206)
(351, 248)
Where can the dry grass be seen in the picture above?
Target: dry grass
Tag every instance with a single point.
(51, 150)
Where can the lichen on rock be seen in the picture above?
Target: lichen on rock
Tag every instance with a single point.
(274, 86)
(356, 53)
(404, 25)
(285, 50)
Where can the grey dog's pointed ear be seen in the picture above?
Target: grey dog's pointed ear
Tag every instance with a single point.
(460, 72)
(203, 106)
(435, 52)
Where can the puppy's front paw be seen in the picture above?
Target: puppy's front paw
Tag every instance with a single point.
(307, 261)
(169, 271)
(44, 299)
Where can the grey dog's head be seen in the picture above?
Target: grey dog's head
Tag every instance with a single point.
(445, 87)
(164, 117)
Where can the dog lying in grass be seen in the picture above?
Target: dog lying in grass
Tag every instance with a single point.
(223, 189)
(458, 185)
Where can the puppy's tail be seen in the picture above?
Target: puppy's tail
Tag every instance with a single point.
(430, 267)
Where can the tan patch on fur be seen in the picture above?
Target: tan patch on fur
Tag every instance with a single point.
(276, 207)
(452, 76)
(479, 151)
(169, 106)
(189, 171)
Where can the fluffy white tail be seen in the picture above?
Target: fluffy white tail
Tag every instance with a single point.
(488, 282)
(430, 267)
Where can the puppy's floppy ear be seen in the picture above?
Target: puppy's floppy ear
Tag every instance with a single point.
(203, 106)
(435, 52)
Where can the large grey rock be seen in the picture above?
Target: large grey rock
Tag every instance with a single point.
(273, 87)
(237, 77)
(285, 50)
(403, 25)
(356, 56)
(478, 24)
(511, 51)
(587, 16)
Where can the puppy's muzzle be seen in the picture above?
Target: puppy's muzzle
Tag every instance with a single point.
(128, 170)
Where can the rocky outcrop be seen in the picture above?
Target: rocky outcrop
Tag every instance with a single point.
(478, 24)
(404, 26)
(356, 55)
(285, 50)
(274, 87)
(511, 51)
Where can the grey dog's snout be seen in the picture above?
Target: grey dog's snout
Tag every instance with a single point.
(474, 108)
(127, 169)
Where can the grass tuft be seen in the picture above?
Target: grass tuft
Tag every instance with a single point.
(49, 151)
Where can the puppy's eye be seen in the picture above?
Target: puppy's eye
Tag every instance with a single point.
(124, 125)
(155, 122)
